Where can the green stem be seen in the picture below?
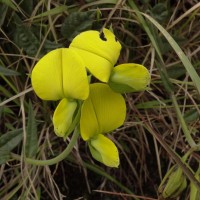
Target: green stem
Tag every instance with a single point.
(55, 160)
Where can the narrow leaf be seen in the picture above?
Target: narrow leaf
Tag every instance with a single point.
(184, 59)
(31, 138)
(8, 142)
(9, 3)
(27, 6)
(53, 11)
(8, 72)
(25, 38)
(3, 11)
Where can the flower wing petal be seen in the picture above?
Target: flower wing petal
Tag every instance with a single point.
(103, 111)
(63, 115)
(88, 122)
(46, 76)
(104, 150)
(75, 81)
(110, 107)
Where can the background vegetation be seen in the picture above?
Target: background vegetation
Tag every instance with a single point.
(162, 123)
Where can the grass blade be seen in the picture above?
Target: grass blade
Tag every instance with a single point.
(31, 140)
(184, 59)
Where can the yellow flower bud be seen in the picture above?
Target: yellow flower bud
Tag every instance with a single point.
(129, 77)
(104, 150)
(63, 117)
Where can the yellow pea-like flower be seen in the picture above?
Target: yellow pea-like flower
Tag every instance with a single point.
(61, 74)
(102, 112)
(99, 52)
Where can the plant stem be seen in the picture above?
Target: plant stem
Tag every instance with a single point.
(55, 160)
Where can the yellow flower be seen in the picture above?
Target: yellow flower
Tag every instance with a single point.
(99, 52)
(61, 74)
(129, 77)
(102, 112)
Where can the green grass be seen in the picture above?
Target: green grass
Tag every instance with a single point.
(162, 123)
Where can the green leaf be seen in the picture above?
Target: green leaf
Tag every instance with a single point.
(8, 142)
(49, 46)
(31, 138)
(25, 38)
(27, 6)
(9, 3)
(184, 59)
(176, 71)
(54, 11)
(160, 12)
(3, 11)
(76, 23)
(8, 72)
(191, 115)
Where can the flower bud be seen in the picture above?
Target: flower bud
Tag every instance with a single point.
(172, 184)
(104, 150)
(129, 77)
(63, 117)
(194, 192)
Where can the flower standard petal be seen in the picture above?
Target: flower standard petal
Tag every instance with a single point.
(46, 76)
(104, 111)
(75, 81)
(129, 77)
(104, 150)
(98, 50)
(97, 66)
(63, 116)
